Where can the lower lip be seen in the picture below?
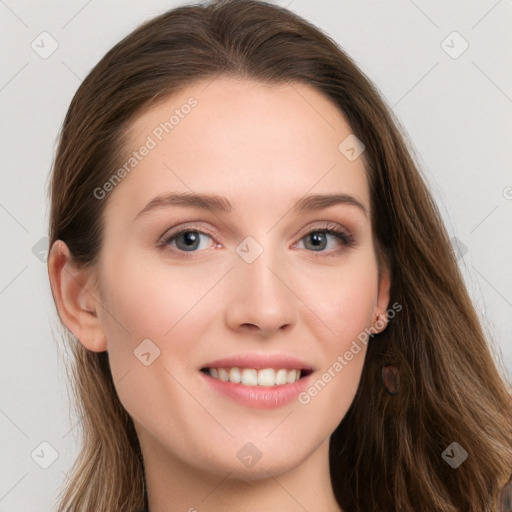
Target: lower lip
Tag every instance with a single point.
(259, 397)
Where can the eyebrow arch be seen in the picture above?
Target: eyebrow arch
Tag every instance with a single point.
(214, 202)
(320, 201)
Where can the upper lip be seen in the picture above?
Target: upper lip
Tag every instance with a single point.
(259, 362)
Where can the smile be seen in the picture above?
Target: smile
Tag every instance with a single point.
(258, 388)
(257, 377)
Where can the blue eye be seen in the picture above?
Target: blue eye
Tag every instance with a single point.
(317, 240)
(188, 240)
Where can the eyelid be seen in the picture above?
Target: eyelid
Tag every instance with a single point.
(194, 226)
(326, 225)
(343, 234)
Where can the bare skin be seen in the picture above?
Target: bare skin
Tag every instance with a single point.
(262, 148)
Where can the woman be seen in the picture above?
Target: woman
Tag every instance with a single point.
(264, 307)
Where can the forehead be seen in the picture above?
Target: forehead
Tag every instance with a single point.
(247, 140)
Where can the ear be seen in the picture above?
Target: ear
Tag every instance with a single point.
(74, 294)
(380, 318)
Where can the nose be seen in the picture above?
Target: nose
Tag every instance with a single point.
(263, 299)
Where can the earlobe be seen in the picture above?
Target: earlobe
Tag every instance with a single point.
(75, 298)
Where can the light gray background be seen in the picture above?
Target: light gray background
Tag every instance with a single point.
(456, 111)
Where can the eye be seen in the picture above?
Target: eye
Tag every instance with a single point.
(187, 240)
(318, 239)
(193, 239)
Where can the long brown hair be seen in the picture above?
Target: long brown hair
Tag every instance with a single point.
(386, 453)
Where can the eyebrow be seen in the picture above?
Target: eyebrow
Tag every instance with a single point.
(217, 203)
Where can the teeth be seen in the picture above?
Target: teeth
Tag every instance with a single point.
(249, 377)
(234, 375)
(280, 377)
(252, 377)
(292, 376)
(267, 377)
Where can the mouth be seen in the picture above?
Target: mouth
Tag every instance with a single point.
(253, 377)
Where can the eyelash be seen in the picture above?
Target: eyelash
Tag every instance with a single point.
(345, 238)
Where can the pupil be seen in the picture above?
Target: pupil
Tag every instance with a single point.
(318, 239)
(191, 238)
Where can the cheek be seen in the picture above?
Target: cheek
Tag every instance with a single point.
(345, 299)
(345, 304)
(349, 311)
(144, 300)
(167, 306)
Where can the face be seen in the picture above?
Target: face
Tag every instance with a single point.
(260, 284)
